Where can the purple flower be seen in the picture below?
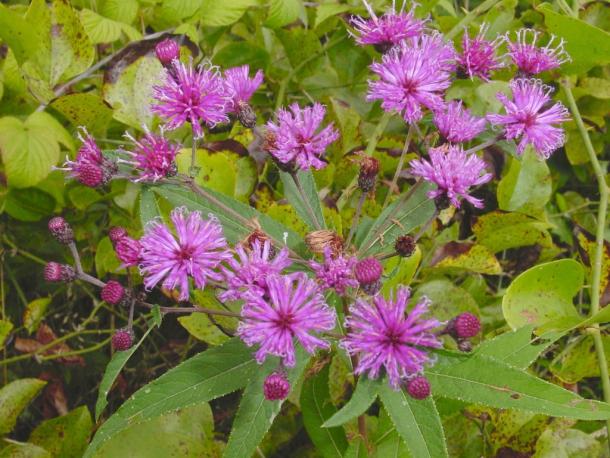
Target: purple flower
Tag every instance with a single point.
(412, 75)
(293, 309)
(530, 116)
(191, 95)
(387, 30)
(294, 137)
(456, 124)
(90, 167)
(336, 272)
(381, 335)
(478, 57)
(196, 250)
(531, 59)
(240, 86)
(153, 156)
(453, 171)
(251, 271)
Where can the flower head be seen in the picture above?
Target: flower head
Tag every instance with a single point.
(153, 157)
(531, 117)
(191, 95)
(294, 308)
(531, 59)
(295, 138)
(456, 124)
(167, 50)
(381, 335)
(127, 250)
(90, 167)
(453, 171)
(196, 250)
(478, 57)
(388, 30)
(251, 271)
(240, 86)
(336, 272)
(412, 76)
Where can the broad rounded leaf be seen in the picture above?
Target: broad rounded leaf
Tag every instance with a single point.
(65, 436)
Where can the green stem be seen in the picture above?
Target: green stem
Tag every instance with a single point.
(486, 5)
(370, 149)
(596, 264)
(401, 163)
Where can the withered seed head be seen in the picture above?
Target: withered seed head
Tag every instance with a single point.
(317, 241)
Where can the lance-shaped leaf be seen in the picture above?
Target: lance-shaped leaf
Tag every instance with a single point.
(307, 204)
(364, 395)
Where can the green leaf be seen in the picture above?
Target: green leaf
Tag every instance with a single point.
(482, 380)
(317, 407)
(15, 31)
(214, 13)
(500, 231)
(328, 10)
(300, 45)
(105, 258)
(236, 217)
(578, 360)
(184, 433)
(113, 369)
(201, 327)
(31, 148)
(149, 207)
(527, 185)
(411, 210)
(34, 312)
(5, 329)
(206, 376)
(543, 293)
(417, 422)
(65, 436)
(14, 397)
(587, 45)
(130, 93)
(218, 171)
(29, 204)
(310, 195)
(103, 30)
(84, 109)
(447, 299)
(23, 450)
(282, 12)
(469, 256)
(388, 442)
(363, 396)
(569, 443)
(124, 11)
(255, 414)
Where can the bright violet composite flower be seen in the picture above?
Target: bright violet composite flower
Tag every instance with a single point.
(294, 309)
(295, 138)
(531, 117)
(387, 30)
(381, 335)
(531, 59)
(196, 250)
(252, 268)
(412, 76)
(153, 156)
(456, 124)
(336, 272)
(90, 167)
(240, 86)
(193, 95)
(478, 56)
(453, 171)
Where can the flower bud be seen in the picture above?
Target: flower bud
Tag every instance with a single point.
(55, 272)
(246, 115)
(418, 387)
(166, 51)
(116, 233)
(128, 251)
(405, 246)
(90, 175)
(369, 168)
(122, 339)
(465, 326)
(113, 293)
(276, 387)
(368, 273)
(317, 241)
(61, 230)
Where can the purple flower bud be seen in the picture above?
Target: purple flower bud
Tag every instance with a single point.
(167, 50)
(122, 339)
(276, 387)
(61, 230)
(55, 272)
(418, 387)
(405, 246)
(465, 326)
(368, 273)
(116, 233)
(369, 168)
(113, 292)
(128, 251)
(90, 175)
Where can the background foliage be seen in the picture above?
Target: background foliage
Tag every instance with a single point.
(519, 264)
